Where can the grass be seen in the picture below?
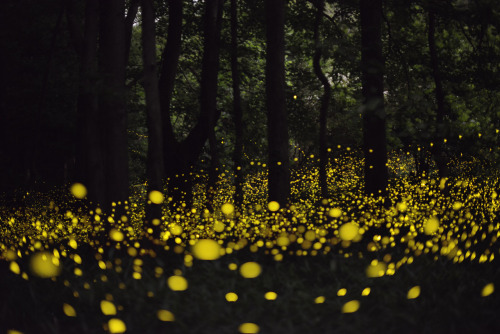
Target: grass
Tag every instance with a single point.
(438, 240)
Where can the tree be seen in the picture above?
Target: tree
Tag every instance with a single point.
(439, 93)
(277, 125)
(237, 110)
(155, 139)
(112, 62)
(102, 117)
(90, 153)
(179, 157)
(325, 100)
(372, 73)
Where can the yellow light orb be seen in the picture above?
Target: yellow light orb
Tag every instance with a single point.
(350, 307)
(271, 295)
(177, 283)
(156, 197)
(116, 235)
(45, 265)
(108, 308)
(231, 297)
(319, 300)
(116, 326)
(273, 206)
(250, 270)
(249, 328)
(488, 290)
(348, 231)
(413, 292)
(335, 213)
(68, 310)
(165, 315)
(227, 208)
(376, 269)
(431, 225)
(78, 190)
(206, 249)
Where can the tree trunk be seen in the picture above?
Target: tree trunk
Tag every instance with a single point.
(180, 157)
(277, 127)
(437, 149)
(237, 110)
(325, 101)
(90, 155)
(112, 100)
(155, 144)
(372, 74)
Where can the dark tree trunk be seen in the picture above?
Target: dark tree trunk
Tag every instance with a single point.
(112, 100)
(155, 145)
(372, 74)
(237, 110)
(437, 149)
(180, 157)
(208, 93)
(129, 25)
(325, 101)
(90, 155)
(277, 127)
(173, 156)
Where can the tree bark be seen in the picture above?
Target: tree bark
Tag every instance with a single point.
(372, 75)
(325, 101)
(112, 100)
(155, 139)
(180, 157)
(90, 155)
(277, 126)
(237, 110)
(437, 149)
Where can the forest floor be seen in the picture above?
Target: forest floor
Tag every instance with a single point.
(426, 264)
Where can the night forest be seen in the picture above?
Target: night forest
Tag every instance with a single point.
(249, 166)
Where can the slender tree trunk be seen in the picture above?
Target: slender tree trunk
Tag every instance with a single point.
(437, 149)
(208, 93)
(155, 139)
(325, 101)
(372, 74)
(112, 100)
(90, 163)
(173, 160)
(237, 110)
(129, 25)
(277, 126)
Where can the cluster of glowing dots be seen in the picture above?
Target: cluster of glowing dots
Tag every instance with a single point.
(432, 223)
